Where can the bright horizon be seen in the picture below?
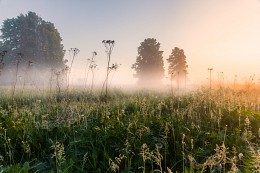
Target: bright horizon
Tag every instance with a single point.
(219, 34)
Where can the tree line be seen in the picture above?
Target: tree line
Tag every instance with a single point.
(40, 42)
(149, 65)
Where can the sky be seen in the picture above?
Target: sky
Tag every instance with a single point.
(219, 34)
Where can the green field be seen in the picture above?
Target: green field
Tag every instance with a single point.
(139, 131)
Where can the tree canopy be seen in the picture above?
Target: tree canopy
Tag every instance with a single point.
(39, 41)
(149, 63)
(177, 64)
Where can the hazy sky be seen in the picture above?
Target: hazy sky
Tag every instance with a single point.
(222, 34)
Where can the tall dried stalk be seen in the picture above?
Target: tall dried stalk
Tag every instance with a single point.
(19, 57)
(74, 52)
(109, 45)
(28, 67)
(90, 67)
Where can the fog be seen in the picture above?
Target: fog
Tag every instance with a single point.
(82, 77)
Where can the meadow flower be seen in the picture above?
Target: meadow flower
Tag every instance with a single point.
(247, 121)
(240, 156)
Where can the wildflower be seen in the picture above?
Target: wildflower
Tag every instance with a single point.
(183, 139)
(144, 146)
(247, 121)
(240, 156)
(26, 147)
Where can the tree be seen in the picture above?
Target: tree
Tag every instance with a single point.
(177, 65)
(149, 63)
(38, 40)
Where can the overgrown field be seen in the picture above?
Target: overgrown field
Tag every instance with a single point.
(141, 131)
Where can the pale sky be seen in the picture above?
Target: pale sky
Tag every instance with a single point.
(222, 34)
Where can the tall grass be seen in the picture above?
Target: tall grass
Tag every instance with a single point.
(203, 131)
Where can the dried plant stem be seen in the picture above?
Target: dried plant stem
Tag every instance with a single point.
(16, 76)
(74, 51)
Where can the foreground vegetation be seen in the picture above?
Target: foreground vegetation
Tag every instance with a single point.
(143, 131)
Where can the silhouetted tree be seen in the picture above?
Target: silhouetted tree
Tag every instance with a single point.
(177, 65)
(38, 40)
(149, 63)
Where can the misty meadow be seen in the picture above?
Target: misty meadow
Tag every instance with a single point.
(125, 104)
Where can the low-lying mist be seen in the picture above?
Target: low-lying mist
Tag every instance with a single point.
(45, 78)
